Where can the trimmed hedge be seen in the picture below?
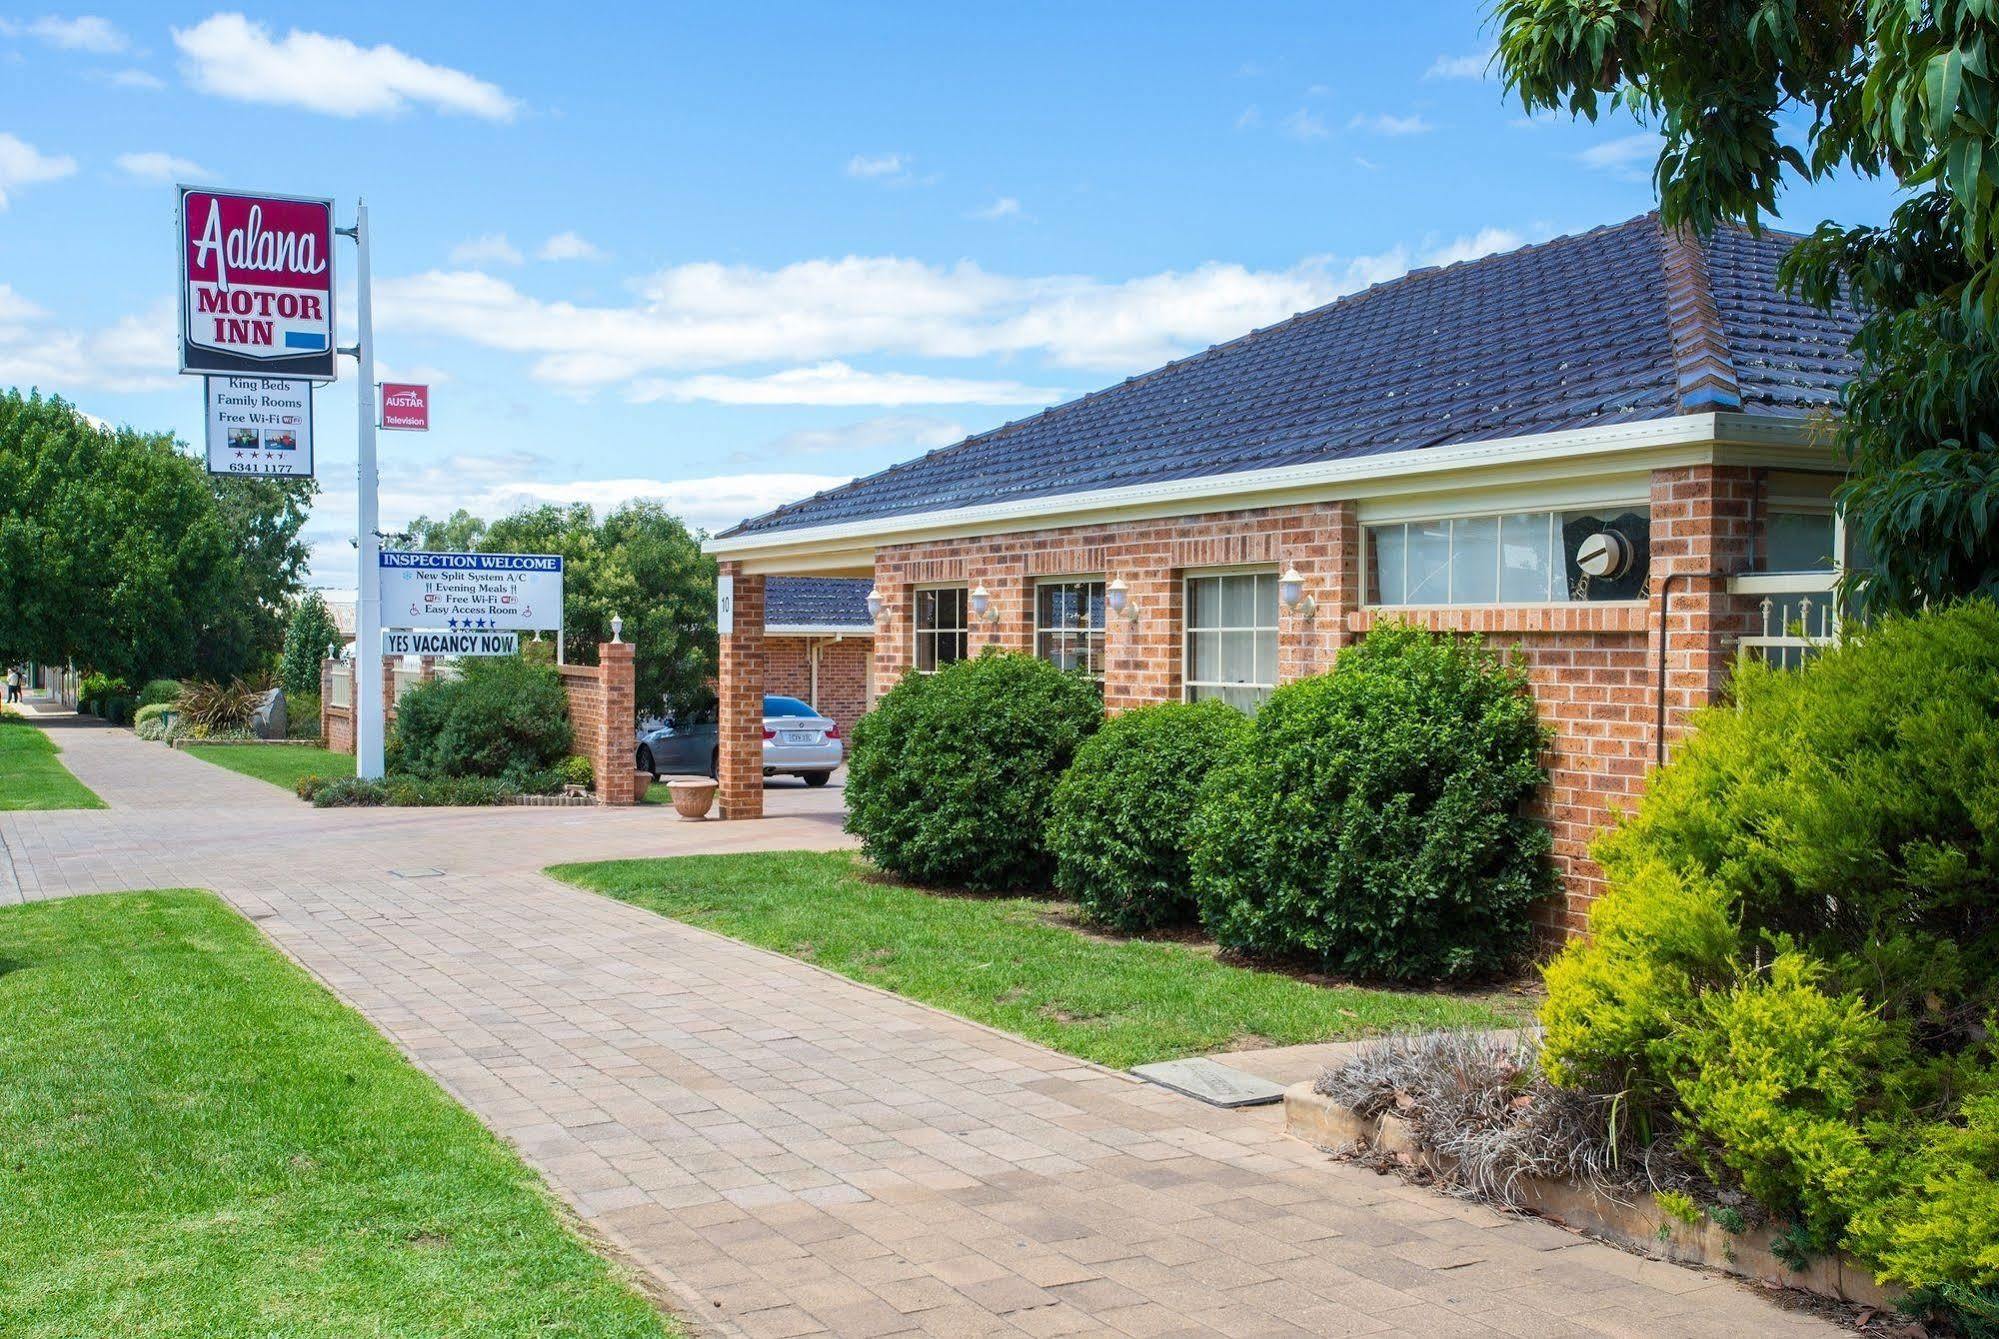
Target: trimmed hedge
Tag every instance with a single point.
(506, 718)
(1118, 828)
(343, 792)
(952, 773)
(1794, 964)
(1373, 823)
(159, 692)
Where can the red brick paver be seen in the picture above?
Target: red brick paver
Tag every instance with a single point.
(794, 1154)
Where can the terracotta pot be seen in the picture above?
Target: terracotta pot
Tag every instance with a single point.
(692, 799)
(641, 783)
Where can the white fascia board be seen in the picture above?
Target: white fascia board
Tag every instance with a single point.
(1652, 443)
(819, 630)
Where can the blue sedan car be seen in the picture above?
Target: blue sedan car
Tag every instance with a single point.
(798, 741)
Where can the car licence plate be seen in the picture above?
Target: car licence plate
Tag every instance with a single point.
(798, 737)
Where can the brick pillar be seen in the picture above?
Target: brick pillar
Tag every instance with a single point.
(617, 779)
(1700, 526)
(1142, 655)
(1324, 546)
(741, 700)
(894, 644)
(325, 701)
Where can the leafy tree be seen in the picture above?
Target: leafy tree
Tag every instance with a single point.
(113, 550)
(310, 632)
(264, 518)
(638, 562)
(1745, 93)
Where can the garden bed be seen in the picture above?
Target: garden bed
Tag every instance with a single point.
(1617, 1207)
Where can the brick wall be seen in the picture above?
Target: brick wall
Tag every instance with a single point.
(1592, 668)
(843, 673)
(739, 692)
(601, 706)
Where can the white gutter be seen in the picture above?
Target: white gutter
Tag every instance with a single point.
(1218, 491)
(819, 630)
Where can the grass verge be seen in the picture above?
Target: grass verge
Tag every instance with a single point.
(279, 764)
(31, 774)
(200, 1140)
(1011, 963)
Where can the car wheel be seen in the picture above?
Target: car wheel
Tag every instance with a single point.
(646, 762)
(817, 778)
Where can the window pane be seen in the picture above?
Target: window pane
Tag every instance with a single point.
(1524, 558)
(1203, 602)
(1386, 563)
(1475, 560)
(1238, 601)
(1095, 644)
(1266, 600)
(1266, 657)
(1093, 593)
(1205, 662)
(1429, 562)
(1798, 541)
(1238, 657)
(926, 651)
(926, 609)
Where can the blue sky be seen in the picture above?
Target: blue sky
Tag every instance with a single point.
(727, 255)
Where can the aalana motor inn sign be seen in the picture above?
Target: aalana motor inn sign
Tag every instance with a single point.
(256, 284)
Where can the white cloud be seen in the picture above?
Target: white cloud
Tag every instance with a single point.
(491, 248)
(878, 167)
(161, 167)
(1622, 156)
(135, 353)
(837, 384)
(86, 32)
(569, 246)
(1005, 207)
(706, 316)
(1484, 242)
(1384, 123)
(22, 164)
(139, 79)
(1249, 118)
(904, 434)
(1473, 66)
(231, 57)
(1304, 125)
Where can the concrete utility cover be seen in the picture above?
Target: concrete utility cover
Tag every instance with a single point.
(1217, 1085)
(417, 873)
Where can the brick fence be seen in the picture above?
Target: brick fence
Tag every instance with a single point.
(601, 710)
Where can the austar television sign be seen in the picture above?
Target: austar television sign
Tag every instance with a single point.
(256, 293)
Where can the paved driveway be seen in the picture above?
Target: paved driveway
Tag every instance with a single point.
(791, 1153)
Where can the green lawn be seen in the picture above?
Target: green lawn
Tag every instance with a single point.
(31, 776)
(1010, 962)
(279, 764)
(196, 1139)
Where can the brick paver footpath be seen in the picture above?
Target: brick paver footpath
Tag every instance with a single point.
(790, 1153)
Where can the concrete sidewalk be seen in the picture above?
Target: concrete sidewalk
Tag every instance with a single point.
(791, 1153)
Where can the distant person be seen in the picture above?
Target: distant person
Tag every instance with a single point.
(14, 683)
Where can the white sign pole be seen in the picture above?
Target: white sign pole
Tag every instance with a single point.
(369, 708)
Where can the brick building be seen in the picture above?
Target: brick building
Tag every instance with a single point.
(1606, 453)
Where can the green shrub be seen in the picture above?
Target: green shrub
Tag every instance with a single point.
(159, 692)
(1373, 822)
(578, 770)
(118, 709)
(405, 791)
(1793, 963)
(308, 634)
(952, 773)
(1118, 826)
(504, 719)
(214, 707)
(302, 716)
(152, 711)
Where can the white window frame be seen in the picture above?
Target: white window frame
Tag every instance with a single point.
(1188, 683)
(1778, 643)
(1554, 514)
(918, 632)
(1094, 660)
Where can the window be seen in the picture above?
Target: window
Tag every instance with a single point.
(1526, 557)
(1231, 637)
(1069, 625)
(940, 628)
